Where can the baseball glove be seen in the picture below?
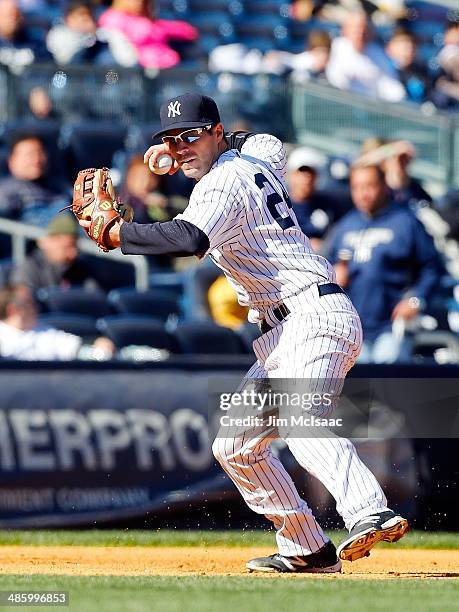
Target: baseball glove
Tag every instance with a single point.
(94, 200)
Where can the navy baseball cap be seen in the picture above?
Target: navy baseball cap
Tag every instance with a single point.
(190, 110)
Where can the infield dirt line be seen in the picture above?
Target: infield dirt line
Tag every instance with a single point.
(211, 561)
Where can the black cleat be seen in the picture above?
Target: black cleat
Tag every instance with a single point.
(379, 527)
(324, 561)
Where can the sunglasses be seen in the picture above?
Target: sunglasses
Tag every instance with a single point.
(188, 136)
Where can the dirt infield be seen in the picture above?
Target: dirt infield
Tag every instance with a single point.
(210, 561)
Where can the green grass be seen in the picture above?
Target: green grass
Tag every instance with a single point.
(137, 537)
(230, 594)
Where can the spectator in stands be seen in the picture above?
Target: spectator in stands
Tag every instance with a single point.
(360, 65)
(394, 158)
(149, 36)
(310, 63)
(333, 10)
(387, 263)
(78, 40)
(402, 49)
(17, 46)
(447, 85)
(40, 104)
(56, 262)
(144, 191)
(223, 305)
(314, 210)
(23, 338)
(28, 194)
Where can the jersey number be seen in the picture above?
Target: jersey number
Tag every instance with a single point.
(273, 199)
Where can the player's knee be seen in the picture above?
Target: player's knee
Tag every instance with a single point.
(224, 450)
(218, 450)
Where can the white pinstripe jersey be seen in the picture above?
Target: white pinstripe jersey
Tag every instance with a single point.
(243, 207)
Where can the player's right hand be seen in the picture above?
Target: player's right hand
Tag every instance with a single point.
(155, 151)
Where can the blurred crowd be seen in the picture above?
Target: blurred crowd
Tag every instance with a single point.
(395, 248)
(384, 50)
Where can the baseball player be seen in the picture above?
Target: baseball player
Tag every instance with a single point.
(240, 215)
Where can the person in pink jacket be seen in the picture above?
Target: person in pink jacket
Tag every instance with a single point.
(149, 36)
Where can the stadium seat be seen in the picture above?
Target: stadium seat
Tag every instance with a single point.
(77, 300)
(208, 6)
(172, 282)
(136, 330)
(197, 283)
(267, 26)
(248, 333)
(79, 325)
(93, 144)
(279, 8)
(207, 339)
(155, 303)
(207, 42)
(435, 347)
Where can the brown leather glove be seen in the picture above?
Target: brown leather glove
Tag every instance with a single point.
(94, 200)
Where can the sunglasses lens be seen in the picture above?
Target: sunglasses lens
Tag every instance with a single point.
(168, 139)
(191, 136)
(190, 139)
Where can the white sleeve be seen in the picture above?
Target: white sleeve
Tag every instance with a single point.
(337, 70)
(390, 89)
(57, 345)
(215, 207)
(267, 148)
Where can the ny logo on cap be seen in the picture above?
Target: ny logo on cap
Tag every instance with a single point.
(174, 109)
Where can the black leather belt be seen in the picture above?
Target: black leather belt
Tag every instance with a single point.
(281, 311)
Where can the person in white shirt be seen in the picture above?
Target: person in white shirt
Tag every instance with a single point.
(311, 62)
(360, 65)
(22, 338)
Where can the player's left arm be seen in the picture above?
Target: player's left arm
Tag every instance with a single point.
(177, 238)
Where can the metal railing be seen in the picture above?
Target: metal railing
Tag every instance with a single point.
(337, 122)
(21, 232)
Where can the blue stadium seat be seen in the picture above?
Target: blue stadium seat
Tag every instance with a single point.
(280, 8)
(422, 10)
(173, 282)
(75, 300)
(155, 303)
(207, 42)
(174, 9)
(265, 25)
(93, 144)
(207, 339)
(215, 24)
(263, 32)
(79, 325)
(209, 6)
(136, 330)
(248, 333)
(197, 283)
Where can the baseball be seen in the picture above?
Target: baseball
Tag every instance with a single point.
(162, 165)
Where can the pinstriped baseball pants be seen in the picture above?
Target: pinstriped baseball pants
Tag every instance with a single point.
(320, 341)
